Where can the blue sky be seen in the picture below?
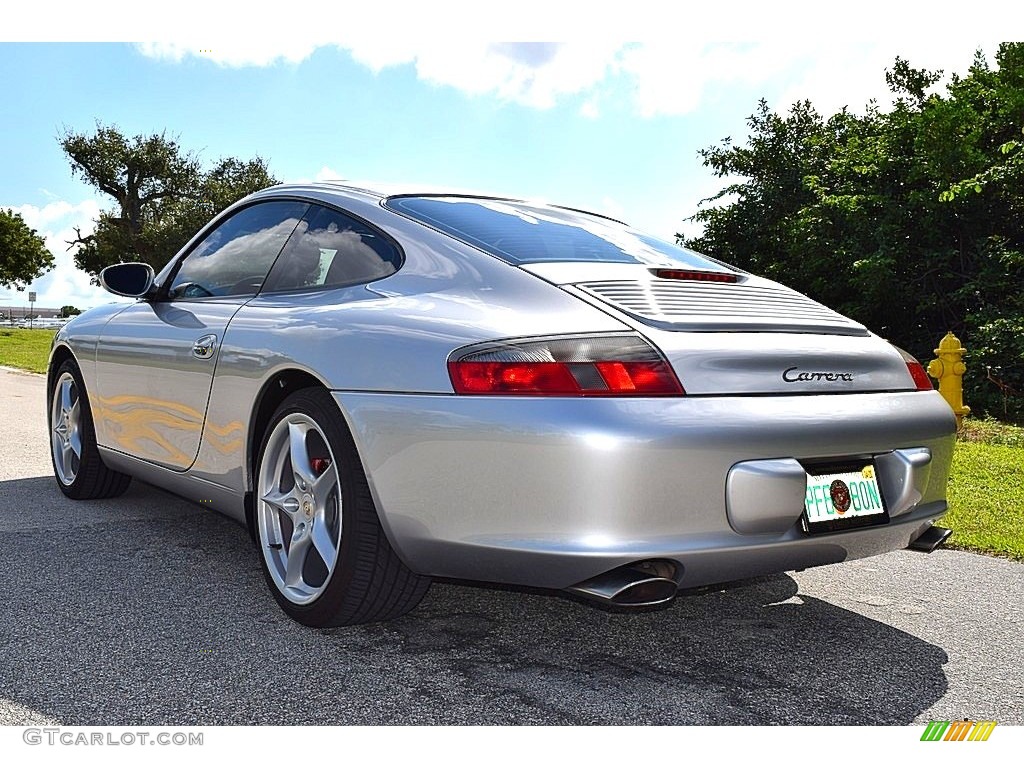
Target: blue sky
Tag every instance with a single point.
(597, 124)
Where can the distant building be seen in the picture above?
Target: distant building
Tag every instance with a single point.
(17, 315)
(22, 310)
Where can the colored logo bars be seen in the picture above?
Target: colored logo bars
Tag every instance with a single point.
(958, 730)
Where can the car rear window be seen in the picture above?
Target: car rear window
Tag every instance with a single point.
(522, 233)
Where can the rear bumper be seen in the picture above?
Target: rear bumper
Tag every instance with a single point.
(549, 492)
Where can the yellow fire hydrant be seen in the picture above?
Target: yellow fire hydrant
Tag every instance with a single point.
(949, 369)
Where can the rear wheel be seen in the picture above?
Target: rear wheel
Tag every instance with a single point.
(323, 551)
(77, 466)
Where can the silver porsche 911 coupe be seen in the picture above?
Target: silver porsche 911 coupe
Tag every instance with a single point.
(389, 386)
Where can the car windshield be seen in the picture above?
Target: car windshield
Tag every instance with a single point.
(522, 233)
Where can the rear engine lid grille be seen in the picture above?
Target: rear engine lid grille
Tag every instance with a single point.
(752, 305)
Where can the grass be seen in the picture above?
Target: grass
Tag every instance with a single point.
(24, 348)
(986, 483)
(991, 432)
(986, 489)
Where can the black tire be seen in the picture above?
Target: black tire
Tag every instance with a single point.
(369, 582)
(88, 477)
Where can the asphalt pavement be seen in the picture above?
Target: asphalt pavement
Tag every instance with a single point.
(149, 610)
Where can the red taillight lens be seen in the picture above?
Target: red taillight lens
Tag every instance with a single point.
(576, 367)
(917, 372)
(499, 378)
(920, 376)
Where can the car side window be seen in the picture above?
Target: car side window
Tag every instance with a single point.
(233, 259)
(330, 250)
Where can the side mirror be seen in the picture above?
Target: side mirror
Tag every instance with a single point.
(132, 279)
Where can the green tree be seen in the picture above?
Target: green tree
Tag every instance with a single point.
(910, 220)
(68, 310)
(231, 179)
(162, 194)
(23, 253)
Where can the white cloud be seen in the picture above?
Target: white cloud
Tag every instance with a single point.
(666, 79)
(850, 75)
(663, 78)
(65, 283)
(326, 173)
(673, 79)
(56, 212)
(534, 74)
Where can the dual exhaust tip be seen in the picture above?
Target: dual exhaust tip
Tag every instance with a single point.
(650, 583)
(644, 584)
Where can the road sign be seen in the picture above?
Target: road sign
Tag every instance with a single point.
(31, 297)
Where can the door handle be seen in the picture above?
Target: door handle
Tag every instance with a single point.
(203, 348)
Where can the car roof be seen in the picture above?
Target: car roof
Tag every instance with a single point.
(377, 191)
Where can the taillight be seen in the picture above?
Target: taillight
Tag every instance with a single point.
(917, 372)
(567, 366)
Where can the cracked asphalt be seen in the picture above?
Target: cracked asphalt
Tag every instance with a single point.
(149, 610)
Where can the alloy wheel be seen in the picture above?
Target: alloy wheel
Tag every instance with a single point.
(66, 429)
(299, 508)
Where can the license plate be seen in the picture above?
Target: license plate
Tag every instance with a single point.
(844, 499)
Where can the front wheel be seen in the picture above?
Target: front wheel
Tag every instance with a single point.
(323, 551)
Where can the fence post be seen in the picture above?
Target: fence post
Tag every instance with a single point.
(949, 369)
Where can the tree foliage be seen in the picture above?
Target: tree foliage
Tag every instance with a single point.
(909, 220)
(23, 253)
(162, 193)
